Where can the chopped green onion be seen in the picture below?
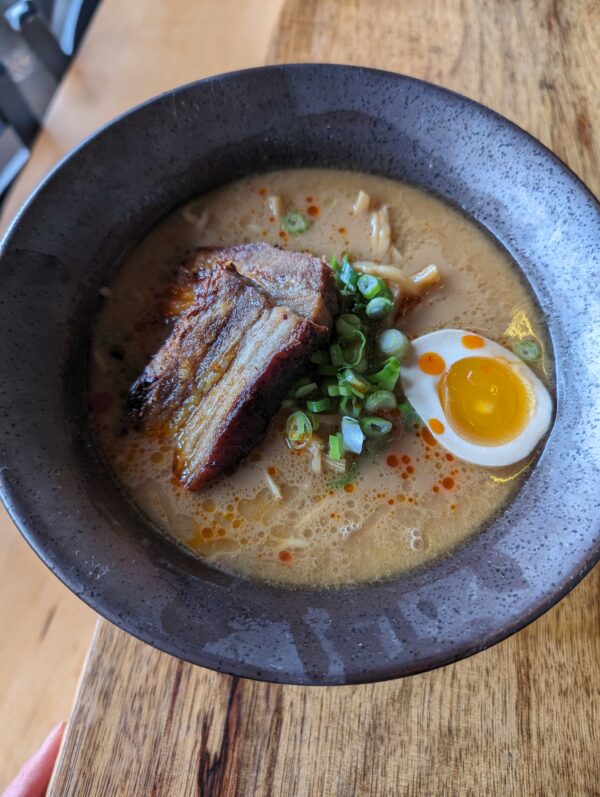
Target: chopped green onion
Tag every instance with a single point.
(360, 387)
(354, 350)
(348, 275)
(387, 375)
(299, 430)
(320, 405)
(350, 405)
(305, 380)
(370, 286)
(305, 390)
(334, 265)
(337, 356)
(326, 370)
(380, 400)
(393, 342)
(333, 390)
(335, 446)
(378, 308)
(319, 357)
(352, 435)
(295, 223)
(345, 389)
(375, 427)
(347, 325)
(527, 350)
(410, 418)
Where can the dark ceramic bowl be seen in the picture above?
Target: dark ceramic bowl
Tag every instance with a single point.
(109, 192)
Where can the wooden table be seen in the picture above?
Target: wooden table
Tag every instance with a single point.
(522, 718)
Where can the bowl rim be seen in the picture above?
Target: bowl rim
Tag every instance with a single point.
(127, 623)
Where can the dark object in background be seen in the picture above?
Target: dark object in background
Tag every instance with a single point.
(36, 43)
(64, 249)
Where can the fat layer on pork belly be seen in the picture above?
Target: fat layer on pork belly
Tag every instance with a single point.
(230, 359)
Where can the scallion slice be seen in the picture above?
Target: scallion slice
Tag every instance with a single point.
(380, 401)
(351, 405)
(528, 350)
(335, 446)
(319, 405)
(348, 276)
(298, 430)
(410, 419)
(375, 427)
(336, 355)
(393, 342)
(319, 357)
(370, 286)
(306, 390)
(347, 325)
(352, 435)
(295, 223)
(360, 387)
(387, 375)
(378, 308)
(334, 264)
(354, 348)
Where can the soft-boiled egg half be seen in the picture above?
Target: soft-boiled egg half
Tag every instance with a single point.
(479, 400)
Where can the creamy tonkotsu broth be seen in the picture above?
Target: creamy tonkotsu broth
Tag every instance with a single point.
(273, 518)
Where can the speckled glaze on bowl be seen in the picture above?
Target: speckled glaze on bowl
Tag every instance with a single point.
(112, 189)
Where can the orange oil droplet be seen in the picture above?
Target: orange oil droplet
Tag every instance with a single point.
(435, 488)
(436, 426)
(410, 469)
(391, 501)
(404, 475)
(342, 230)
(393, 461)
(349, 488)
(473, 342)
(448, 482)
(406, 459)
(453, 507)
(272, 470)
(431, 363)
(262, 191)
(285, 556)
(449, 457)
(428, 437)
(313, 211)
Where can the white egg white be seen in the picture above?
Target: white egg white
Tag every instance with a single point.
(421, 390)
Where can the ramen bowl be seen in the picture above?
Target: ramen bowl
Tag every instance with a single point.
(76, 228)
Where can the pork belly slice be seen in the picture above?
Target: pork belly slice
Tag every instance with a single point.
(295, 279)
(221, 374)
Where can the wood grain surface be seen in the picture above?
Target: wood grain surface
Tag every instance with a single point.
(520, 719)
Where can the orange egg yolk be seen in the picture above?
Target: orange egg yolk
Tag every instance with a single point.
(484, 400)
